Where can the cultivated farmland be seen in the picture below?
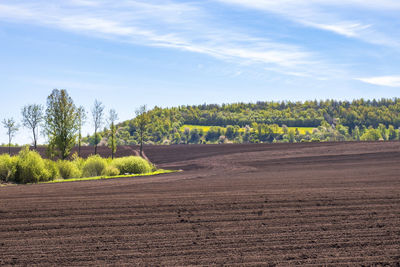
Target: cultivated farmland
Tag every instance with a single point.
(281, 204)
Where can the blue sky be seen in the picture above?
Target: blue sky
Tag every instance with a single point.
(128, 53)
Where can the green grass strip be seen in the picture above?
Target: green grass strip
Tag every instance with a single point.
(161, 171)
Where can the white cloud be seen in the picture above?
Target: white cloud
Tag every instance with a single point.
(391, 81)
(346, 29)
(166, 24)
(343, 17)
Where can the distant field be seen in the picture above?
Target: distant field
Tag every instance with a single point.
(302, 130)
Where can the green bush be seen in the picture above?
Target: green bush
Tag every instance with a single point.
(68, 169)
(94, 166)
(132, 165)
(111, 171)
(30, 167)
(8, 167)
(52, 169)
(371, 135)
(78, 162)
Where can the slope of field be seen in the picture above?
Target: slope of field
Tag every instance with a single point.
(280, 204)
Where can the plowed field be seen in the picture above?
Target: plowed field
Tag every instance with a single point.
(281, 204)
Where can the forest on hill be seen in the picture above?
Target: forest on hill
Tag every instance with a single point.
(285, 121)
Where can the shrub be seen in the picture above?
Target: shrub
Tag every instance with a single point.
(132, 165)
(79, 163)
(371, 135)
(68, 169)
(30, 167)
(52, 169)
(111, 171)
(8, 167)
(94, 166)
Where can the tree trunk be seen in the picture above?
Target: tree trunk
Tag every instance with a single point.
(112, 140)
(79, 143)
(34, 139)
(95, 142)
(141, 144)
(9, 144)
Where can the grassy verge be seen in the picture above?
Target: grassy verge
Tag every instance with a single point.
(109, 177)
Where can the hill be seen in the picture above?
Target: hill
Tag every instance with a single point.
(285, 121)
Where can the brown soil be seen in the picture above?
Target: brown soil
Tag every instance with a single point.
(281, 204)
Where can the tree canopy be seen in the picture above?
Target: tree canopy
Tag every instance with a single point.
(62, 122)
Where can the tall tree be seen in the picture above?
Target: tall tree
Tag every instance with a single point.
(113, 117)
(12, 129)
(97, 113)
(32, 117)
(81, 122)
(61, 122)
(142, 121)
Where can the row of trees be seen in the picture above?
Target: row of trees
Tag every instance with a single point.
(62, 124)
(238, 122)
(265, 133)
(165, 123)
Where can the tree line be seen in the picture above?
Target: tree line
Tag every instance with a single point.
(333, 121)
(62, 121)
(328, 120)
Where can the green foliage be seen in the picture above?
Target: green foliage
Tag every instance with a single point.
(111, 171)
(392, 134)
(214, 133)
(62, 122)
(371, 135)
(383, 131)
(94, 166)
(339, 119)
(78, 161)
(31, 168)
(69, 169)
(291, 136)
(141, 122)
(52, 169)
(91, 139)
(194, 136)
(8, 167)
(132, 164)
(112, 140)
(81, 118)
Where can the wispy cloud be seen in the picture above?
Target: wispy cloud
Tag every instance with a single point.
(165, 24)
(390, 81)
(337, 16)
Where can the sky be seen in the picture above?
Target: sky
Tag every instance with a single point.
(128, 53)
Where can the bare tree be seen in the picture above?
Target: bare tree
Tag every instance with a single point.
(113, 117)
(81, 121)
(12, 129)
(32, 117)
(141, 120)
(97, 113)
